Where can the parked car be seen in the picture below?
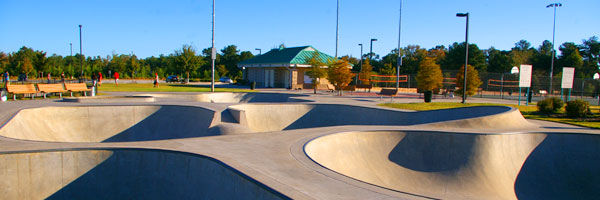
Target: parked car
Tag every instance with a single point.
(224, 79)
(172, 79)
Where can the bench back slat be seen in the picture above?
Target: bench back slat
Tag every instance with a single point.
(21, 89)
(48, 88)
(76, 87)
(389, 92)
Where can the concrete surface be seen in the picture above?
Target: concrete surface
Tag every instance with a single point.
(362, 151)
(450, 165)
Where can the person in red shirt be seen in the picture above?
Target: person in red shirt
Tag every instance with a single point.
(99, 78)
(117, 78)
(48, 77)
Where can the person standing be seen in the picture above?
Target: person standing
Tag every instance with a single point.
(156, 80)
(117, 78)
(100, 78)
(6, 78)
(49, 76)
(62, 77)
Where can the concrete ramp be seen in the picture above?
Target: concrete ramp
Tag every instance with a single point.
(276, 117)
(110, 123)
(124, 174)
(466, 166)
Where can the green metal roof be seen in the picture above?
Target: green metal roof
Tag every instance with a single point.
(292, 55)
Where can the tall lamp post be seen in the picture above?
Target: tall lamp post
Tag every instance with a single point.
(464, 98)
(553, 5)
(80, 52)
(337, 30)
(371, 49)
(259, 51)
(213, 51)
(361, 58)
(399, 63)
(71, 45)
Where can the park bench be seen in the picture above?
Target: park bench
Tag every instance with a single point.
(350, 88)
(297, 87)
(51, 88)
(77, 87)
(21, 89)
(330, 87)
(387, 92)
(364, 86)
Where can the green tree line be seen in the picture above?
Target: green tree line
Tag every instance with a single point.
(583, 57)
(183, 62)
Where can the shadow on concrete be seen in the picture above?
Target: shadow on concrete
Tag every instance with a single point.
(323, 115)
(169, 122)
(563, 166)
(154, 174)
(437, 152)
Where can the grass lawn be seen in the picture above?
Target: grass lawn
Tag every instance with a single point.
(148, 87)
(529, 112)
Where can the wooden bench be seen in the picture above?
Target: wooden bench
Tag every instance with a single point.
(350, 88)
(77, 87)
(364, 86)
(21, 89)
(297, 87)
(330, 87)
(51, 88)
(387, 92)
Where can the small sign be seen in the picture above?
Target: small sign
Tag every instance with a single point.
(514, 70)
(525, 76)
(596, 76)
(567, 77)
(214, 53)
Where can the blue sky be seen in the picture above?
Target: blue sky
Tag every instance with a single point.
(154, 27)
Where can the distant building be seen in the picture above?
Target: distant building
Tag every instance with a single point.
(282, 68)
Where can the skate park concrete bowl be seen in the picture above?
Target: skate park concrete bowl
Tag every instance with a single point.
(277, 117)
(229, 97)
(454, 165)
(110, 123)
(109, 99)
(123, 174)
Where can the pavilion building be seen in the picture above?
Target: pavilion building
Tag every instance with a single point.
(283, 67)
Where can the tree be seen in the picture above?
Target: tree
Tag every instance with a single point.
(542, 58)
(316, 70)
(522, 53)
(365, 73)
(456, 57)
(570, 57)
(430, 75)
(339, 74)
(388, 69)
(498, 61)
(26, 66)
(473, 81)
(187, 60)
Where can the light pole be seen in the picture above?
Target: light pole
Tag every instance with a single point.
(371, 49)
(464, 99)
(213, 51)
(71, 45)
(80, 52)
(553, 5)
(259, 51)
(399, 63)
(361, 58)
(337, 30)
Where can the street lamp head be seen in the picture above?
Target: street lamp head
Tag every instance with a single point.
(257, 49)
(554, 5)
(373, 40)
(360, 45)
(79, 25)
(462, 14)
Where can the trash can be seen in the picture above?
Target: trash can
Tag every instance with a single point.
(3, 95)
(252, 85)
(428, 94)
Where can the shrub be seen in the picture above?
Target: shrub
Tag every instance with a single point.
(550, 105)
(577, 108)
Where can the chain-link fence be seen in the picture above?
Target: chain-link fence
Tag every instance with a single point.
(506, 86)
